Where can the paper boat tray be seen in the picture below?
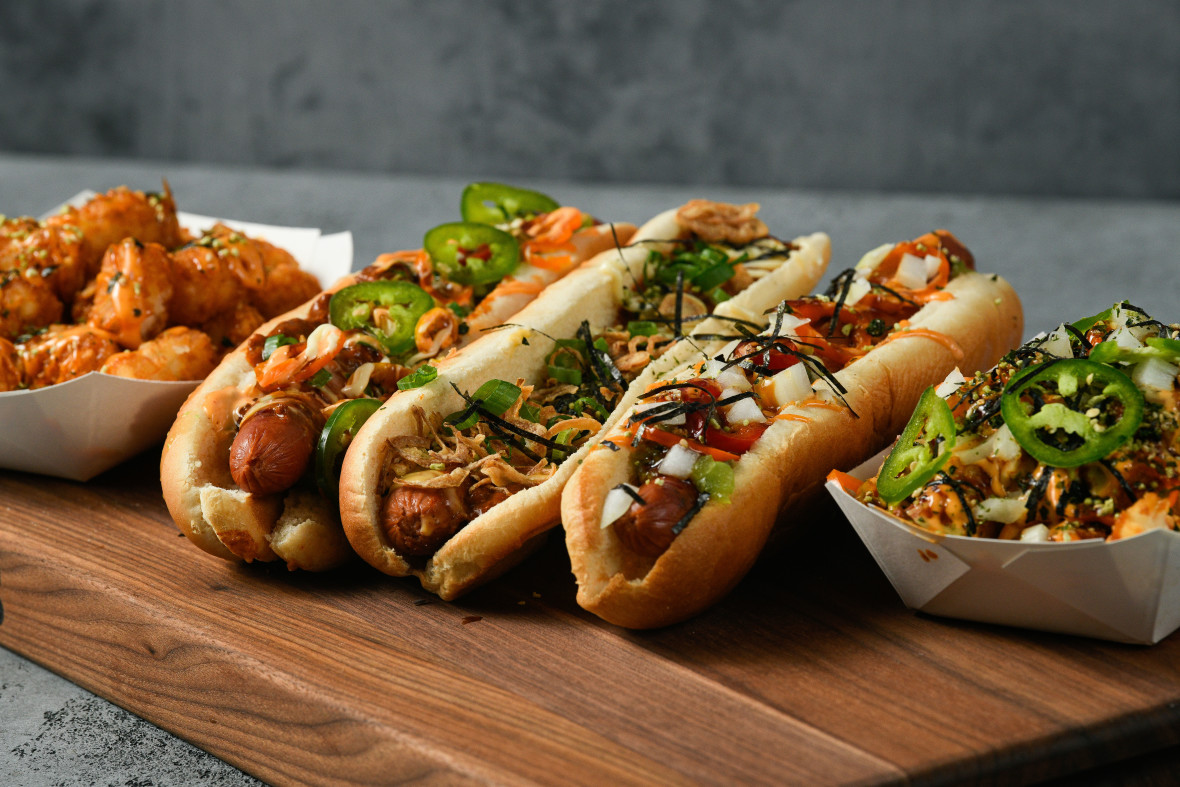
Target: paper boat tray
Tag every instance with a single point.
(1123, 591)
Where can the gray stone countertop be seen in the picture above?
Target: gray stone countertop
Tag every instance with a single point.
(1066, 258)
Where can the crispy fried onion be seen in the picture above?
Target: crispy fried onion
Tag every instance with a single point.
(632, 354)
(720, 221)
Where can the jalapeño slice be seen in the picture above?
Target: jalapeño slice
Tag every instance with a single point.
(469, 253)
(387, 310)
(922, 450)
(496, 203)
(1099, 409)
(342, 426)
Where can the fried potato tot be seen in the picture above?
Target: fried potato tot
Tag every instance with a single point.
(132, 292)
(26, 304)
(10, 366)
(178, 353)
(65, 352)
(229, 329)
(118, 214)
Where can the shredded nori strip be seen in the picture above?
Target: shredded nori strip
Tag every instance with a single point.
(601, 364)
(1039, 487)
(632, 493)
(944, 478)
(496, 421)
(702, 498)
(1081, 337)
(895, 294)
(678, 325)
(839, 289)
(610, 445)
(1109, 465)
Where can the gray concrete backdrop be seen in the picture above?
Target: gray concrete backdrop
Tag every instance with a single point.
(1035, 97)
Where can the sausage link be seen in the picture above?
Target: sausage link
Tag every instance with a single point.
(647, 529)
(418, 520)
(273, 448)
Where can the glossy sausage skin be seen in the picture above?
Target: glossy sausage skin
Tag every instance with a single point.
(647, 529)
(417, 521)
(273, 447)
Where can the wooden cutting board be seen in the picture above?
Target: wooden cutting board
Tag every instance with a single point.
(810, 672)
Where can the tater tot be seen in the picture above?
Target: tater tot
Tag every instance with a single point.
(65, 352)
(10, 366)
(203, 285)
(26, 304)
(231, 328)
(132, 292)
(287, 286)
(178, 353)
(122, 213)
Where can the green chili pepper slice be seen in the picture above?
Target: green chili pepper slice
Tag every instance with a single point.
(387, 310)
(922, 450)
(342, 426)
(469, 253)
(497, 203)
(1156, 347)
(1101, 410)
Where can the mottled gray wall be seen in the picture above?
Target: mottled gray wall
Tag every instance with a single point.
(1036, 97)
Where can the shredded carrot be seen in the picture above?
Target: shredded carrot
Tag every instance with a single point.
(515, 287)
(941, 338)
(821, 405)
(555, 227)
(850, 484)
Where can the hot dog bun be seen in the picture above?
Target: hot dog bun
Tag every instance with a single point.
(499, 538)
(786, 467)
(298, 526)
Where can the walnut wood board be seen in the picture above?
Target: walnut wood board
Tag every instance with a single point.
(810, 672)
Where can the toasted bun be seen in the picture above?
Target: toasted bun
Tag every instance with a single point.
(785, 468)
(501, 537)
(298, 527)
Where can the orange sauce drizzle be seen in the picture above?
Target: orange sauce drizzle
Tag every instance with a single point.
(941, 338)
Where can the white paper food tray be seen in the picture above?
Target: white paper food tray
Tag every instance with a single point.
(1124, 591)
(83, 427)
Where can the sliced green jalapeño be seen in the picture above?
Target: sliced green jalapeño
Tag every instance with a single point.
(466, 252)
(342, 426)
(387, 310)
(922, 450)
(496, 203)
(1100, 409)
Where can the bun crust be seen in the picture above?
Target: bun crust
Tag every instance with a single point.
(784, 469)
(498, 539)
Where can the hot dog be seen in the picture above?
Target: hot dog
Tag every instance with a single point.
(250, 467)
(719, 449)
(457, 482)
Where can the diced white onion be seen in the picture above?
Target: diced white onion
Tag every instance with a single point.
(790, 385)
(1155, 374)
(1000, 509)
(745, 410)
(857, 290)
(1035, 533)
(933, 263)
(1125, 339)
(615, 504)
(675, 420)
(678, 462)
(911, 272)
(873, 258)
(950, 383)
(788, 326)
(1057, 343)
(733, 377)
(358, 381)
(1001, 445)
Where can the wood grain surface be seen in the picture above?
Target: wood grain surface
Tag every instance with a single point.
(810, 672)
